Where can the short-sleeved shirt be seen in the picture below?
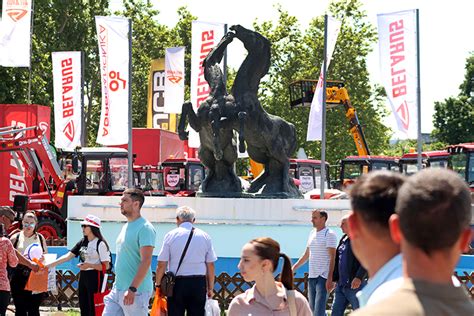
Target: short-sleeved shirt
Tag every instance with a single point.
(253, 303)
(7, 258)
(22, 242)
(200, 250)
(318, 244)
(88, 252)
(133, 236)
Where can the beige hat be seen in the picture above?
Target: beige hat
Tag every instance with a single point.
(91, 220)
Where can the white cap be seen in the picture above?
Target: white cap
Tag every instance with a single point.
(91, 220)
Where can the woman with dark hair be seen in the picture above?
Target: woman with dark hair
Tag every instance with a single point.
(26, 302)
(258, 262)
(94, 258)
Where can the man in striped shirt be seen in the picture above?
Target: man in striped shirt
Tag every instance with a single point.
(321, 252)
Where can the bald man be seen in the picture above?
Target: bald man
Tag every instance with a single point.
(349, 275)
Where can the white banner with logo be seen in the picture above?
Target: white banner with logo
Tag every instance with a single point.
(315, 122)
(15, 33)
(67, 71)
(398, 68)
(113, 36)
(205, 36)
(174, 80)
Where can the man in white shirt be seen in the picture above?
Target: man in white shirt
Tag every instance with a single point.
(321, 252)
(373, 197)
(195, 277)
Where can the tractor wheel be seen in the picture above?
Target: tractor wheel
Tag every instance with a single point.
(49, 228)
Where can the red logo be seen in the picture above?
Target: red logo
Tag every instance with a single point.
(43, 126)
(175, 79)
(16, 10)
(404, 115)
(16, 14)
(69, 130)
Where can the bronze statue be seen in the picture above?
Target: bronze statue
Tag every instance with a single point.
(270, 140)
(217, 151)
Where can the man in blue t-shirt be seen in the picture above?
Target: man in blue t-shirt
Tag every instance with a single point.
(133, 279)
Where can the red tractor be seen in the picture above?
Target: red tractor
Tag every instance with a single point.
(462, 161)
(87, 171)
(430, 159)
(182, 176)
(307, 174)
(353, 167)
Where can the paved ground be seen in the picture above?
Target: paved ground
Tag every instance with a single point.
(48, 311)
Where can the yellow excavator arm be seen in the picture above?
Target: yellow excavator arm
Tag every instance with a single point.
(336, 94)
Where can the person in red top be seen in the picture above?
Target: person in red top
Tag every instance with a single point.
(7, 258)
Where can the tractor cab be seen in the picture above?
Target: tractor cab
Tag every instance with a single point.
(353, 167)
(307, 173)
(430, 159)
(182, 176)
(96, 171)
(462, 161)
(149, 179)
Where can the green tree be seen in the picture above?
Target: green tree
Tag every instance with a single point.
(149, 41)
(297, 55)
(454, 117)
(70, 26)
(404, 146)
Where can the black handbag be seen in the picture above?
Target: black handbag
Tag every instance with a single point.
(169, 278)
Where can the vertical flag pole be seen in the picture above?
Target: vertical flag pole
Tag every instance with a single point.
(323, 134)
(31, 40)
(418, 88)
(130, 121)
(83, 117)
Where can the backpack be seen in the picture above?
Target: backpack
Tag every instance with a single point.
(111, 265)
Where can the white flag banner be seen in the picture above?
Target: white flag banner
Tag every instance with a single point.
(15, 33)
(113, 36)
(174, 80)
(398, 68)
(205, 36)
(315, 122)
(67, 72)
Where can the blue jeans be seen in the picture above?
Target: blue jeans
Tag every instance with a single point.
(317, 295)
(343, 296)
(114, 304)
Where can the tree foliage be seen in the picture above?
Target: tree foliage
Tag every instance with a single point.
(65, 25)
(297, 55)
(454, 117)
(57, 26)
(60, 25)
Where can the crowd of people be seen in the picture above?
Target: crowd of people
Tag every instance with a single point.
(401, 242)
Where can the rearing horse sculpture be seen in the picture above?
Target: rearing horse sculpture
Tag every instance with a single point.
(270, 139)
(217, 151)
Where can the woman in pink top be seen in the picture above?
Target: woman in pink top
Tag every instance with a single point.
(7, 258)
(258, 262)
